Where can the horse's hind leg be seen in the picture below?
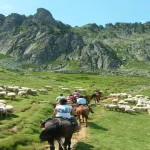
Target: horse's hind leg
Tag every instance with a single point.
(61, 145)
(97, 101)
(83, 119)
(67, 143)
(86, 121)
(79, 117)
(51, 143)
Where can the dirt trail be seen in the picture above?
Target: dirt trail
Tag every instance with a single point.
(79, 136)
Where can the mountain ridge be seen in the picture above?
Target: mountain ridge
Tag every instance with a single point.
(40, 41)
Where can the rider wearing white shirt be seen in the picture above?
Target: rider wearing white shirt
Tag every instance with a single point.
(81, 100)
(63, 111)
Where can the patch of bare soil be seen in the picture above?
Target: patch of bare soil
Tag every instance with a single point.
(79, 136)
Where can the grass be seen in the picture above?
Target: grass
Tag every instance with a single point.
(108, 130)
(138, 64)
(2, 56)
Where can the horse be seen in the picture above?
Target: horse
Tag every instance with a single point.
(88, 98)
(82, 114)
(96, 96)
(56, 129)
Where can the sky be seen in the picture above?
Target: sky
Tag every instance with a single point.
(82, 12)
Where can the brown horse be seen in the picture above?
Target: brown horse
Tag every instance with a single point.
(55, 129)
(96, 96)
(82, 114)
(88, 98)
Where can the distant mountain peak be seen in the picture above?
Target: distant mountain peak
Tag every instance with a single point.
(43, 16)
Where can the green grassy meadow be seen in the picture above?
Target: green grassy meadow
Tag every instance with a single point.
(107, 130)
(110, 130)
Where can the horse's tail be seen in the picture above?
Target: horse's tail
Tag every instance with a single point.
(85, 112)
(82, 112)
(79, 114)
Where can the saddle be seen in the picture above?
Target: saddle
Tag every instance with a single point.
(82, 105)
(73, 121)
(85, 105)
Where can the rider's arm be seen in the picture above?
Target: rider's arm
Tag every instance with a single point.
(54, 112)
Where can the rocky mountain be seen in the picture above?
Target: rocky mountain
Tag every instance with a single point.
(40, 42)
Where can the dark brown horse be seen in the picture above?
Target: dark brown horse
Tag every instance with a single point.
(96, 96)
(82, 114)
(55, 129)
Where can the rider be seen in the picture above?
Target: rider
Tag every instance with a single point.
(82, 101)
(97, 91)
(76, 94)
(63, 110)
(71, 100)
(70, 97)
